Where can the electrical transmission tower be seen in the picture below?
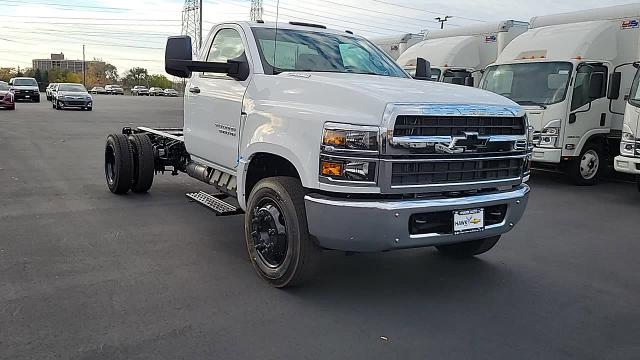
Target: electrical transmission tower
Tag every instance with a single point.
(256, 10)
(192, 22)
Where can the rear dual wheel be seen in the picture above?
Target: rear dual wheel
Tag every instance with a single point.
(129, 163)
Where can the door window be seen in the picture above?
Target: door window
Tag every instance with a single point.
(581, 85)
(226, 45)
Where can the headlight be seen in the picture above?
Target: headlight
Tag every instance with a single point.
(549, 137)
(348, 170)
(347, 137)
(628, 145)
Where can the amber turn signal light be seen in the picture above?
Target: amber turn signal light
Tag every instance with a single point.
(329, 168)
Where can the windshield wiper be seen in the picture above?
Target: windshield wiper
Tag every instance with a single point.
(529, 102)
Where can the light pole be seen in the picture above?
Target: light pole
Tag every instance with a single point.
(84, 69)
(443, 20)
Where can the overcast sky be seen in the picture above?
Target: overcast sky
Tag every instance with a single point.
(131, 33)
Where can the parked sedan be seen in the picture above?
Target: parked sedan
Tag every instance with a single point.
(70, 95)
(114, 90)
(140, 90)
(156, 91)
(48, 90)
(6, 97)
(170, 92)
(98, 90)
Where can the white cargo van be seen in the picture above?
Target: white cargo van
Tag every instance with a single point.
(395, 45)
(457, 53)
(559, 71)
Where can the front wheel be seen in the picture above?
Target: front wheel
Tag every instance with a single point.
(278, 241)
(586, 169)
(469, 248)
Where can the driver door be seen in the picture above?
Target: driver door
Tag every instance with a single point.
(586, 113)
(214, 103)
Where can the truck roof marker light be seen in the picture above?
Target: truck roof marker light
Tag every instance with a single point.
(578, 58)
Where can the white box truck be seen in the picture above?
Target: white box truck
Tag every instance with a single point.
(559, 71)
(459, 53)
(629, 159)
(395, 45)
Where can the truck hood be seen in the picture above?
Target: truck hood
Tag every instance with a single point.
(394, 90)
(22, 87)
(356, 98)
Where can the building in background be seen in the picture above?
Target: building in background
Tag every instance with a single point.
(57, 61)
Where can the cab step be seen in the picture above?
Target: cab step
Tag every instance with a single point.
(213, 202)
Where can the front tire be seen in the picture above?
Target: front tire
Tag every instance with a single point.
(469, 248)
(118, 164)
(587, 168)
(278, 241)
(143, 163)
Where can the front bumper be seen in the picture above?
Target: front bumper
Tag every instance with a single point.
(626, 164)
(75, 103)
(381, 225)
(26, 95)
(546, 155)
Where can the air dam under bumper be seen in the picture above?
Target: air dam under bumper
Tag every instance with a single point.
(381, 225)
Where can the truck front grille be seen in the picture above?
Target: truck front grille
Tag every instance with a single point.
(455, 171)
(406, 125)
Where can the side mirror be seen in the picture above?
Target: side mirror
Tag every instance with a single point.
(178, 61)
(469, 81)
(614, 86)
(423, 69)
(596, 80)
(10, 83)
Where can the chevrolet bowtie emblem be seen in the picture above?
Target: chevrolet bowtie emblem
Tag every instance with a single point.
(469, 141)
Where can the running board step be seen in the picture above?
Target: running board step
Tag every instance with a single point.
(220, 207)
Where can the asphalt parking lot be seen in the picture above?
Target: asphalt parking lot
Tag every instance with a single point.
(85, 274)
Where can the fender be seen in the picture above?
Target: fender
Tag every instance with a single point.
(588, 136)
(275, 149)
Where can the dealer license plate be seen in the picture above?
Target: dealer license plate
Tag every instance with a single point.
(468, 221)
(27, 96)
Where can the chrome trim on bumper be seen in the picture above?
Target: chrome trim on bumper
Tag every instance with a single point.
(380, 225)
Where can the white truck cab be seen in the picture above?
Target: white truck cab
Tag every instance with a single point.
(629, 159)
(327, 144)
(458, 54)
(559, 72)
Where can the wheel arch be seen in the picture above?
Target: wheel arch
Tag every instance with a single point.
(265, 162)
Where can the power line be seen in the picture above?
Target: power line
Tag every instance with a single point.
(423, 10)
(86, 18)
(22, 3)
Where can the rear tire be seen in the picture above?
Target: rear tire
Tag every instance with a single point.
(280, 248)
(586, 169)
(118, 164)
(143, 163)
(469, 248)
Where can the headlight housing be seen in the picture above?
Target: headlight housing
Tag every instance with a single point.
(629, 145)
(549, 137)
(349, 154)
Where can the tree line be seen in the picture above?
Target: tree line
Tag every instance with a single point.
(98, 73)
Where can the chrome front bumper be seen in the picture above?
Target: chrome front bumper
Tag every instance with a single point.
(627, 164)
(381, 225)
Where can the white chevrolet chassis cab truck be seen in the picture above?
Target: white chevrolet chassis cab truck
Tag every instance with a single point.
(325, 143)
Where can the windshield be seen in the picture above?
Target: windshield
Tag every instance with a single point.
(542, 83)
(321, 52)
(634, 94)
(25, 82)
(72, 88)
(455, 76)
(4, 86)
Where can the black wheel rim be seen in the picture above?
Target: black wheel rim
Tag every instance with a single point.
(110, 164)
(269, 233)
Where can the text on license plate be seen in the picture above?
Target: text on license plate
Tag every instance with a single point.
(468, 221)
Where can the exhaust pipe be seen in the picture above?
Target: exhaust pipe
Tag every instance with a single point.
(199, 172)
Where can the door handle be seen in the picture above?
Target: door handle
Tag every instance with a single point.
(194, 89)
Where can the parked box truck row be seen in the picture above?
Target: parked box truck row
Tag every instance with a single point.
(560, 71)
(326, 143)
(458, 53)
